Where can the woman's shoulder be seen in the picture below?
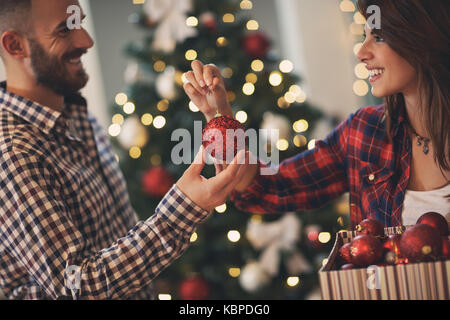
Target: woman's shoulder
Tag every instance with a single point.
(370, 114)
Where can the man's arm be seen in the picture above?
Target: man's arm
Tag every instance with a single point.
(38, 231)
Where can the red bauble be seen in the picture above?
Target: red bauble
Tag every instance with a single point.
(208, 19)
(156, 182)
(348, 266)
(445, 248)
(365, 250)
(344, 253)
(391, 247)
(371, 227)
(256, 45)
(221, 145)
(435, 220)
(194, 288)
(421, 242)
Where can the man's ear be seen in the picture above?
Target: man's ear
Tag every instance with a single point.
(14, 45)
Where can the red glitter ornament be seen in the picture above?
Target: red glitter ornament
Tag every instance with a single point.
(435, 220)
(365, 250)
(194, 288)
(421, 242)
(371, 227)
(256, 45)
(221, 137)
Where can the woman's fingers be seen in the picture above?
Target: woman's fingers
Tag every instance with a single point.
(193, 80)
(197, 67)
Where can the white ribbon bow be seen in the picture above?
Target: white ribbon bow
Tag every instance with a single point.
(171, 17)
(274, 237)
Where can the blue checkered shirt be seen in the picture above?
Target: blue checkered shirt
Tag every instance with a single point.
(66, 224)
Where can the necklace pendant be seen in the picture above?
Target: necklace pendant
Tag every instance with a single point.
(419, 143)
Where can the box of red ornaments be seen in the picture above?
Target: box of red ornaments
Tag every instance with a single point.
(396, 263)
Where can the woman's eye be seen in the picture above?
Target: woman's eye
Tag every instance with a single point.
(379, 39)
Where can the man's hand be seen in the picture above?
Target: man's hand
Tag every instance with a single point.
(206, 90)
(210, 193)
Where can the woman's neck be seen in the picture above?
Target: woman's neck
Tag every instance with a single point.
(415, 113)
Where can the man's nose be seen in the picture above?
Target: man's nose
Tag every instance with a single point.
(83, 39)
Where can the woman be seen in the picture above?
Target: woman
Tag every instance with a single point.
(393, 159)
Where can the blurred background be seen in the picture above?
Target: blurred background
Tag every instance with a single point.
(288, 65)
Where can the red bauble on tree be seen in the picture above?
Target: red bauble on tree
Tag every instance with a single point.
(208, 19)
(435, 220)
(421, 242)
(156, 182)
(365, 250)
(194, 288)
(256, 45)
(371, 227)
(221, 139)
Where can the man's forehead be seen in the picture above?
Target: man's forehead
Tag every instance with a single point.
(47, 14)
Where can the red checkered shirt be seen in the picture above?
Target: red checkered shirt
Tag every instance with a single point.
(356, 157)
(66, 224)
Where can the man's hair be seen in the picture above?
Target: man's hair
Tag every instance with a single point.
(14, 15)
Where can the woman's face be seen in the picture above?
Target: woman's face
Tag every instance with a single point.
(389, 72)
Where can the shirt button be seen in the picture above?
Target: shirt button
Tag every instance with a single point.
(371, 177)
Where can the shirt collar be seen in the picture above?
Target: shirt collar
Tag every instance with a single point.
(398, 119)
(43, 117)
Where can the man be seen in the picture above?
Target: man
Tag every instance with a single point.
(66, 224)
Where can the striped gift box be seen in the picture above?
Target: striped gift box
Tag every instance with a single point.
(413, 281)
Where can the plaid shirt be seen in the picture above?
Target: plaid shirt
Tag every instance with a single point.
(356, 157)
(66, 224)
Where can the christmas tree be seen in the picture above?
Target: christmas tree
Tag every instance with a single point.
(234, 255)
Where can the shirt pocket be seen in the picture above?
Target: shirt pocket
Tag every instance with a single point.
(374, 188)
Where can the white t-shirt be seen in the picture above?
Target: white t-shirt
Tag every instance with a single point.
(417, 203)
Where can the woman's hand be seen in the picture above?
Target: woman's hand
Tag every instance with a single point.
(206, 90)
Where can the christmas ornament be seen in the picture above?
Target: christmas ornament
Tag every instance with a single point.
(435, 220)
(222, 138)
(445, 248)
(208, 19)
(170, 16)
(365, 250)
(348, 266)
(156, 182)
(421, 242)
(253, 277)
(256, 45)
(371, 227)
(166, 84)
(133, 133)
(344, 253)
(274, 127)
(194, 288)
(391, 247)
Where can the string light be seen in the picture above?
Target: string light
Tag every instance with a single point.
(241, 116)
(275, 78)
(155, 160)
(164, 296)
(300, 141)
(191, 55)
(184, 79)
(129, 107)
(221, 42)
(251, 77)
(252, 25)
(118, 119)
(289, 97)
(257, 65)
(300, 125)
(228, 18)
(324, 261)
(227, 72)
(194, 237)
(248, 88)
(163, 105)
(292, 281)
(121, 99)
(286, 66)
(135, 152)
(282, 103)
(234, 272)
(246, 5)
(159, 122)
(282, 144)
(233, 235)
(147, 119)
(347, 6)
(231, 96)
(359, 18)
(192, 21)
(360, 88)
(361, 71)
(222, 208)
(193, 107)
(357, 47)
(324, 237)
(159, 66)
(312, 144)
(114, 130)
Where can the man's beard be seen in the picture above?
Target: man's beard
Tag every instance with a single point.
(52, 72)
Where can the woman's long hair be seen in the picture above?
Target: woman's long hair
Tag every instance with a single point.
(419, 31)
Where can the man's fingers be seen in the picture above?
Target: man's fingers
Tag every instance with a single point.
(239, 175)
(197, 67)
(191, 91)
(199, 162)
(210, 72)
(218, 166)
(226, 177)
